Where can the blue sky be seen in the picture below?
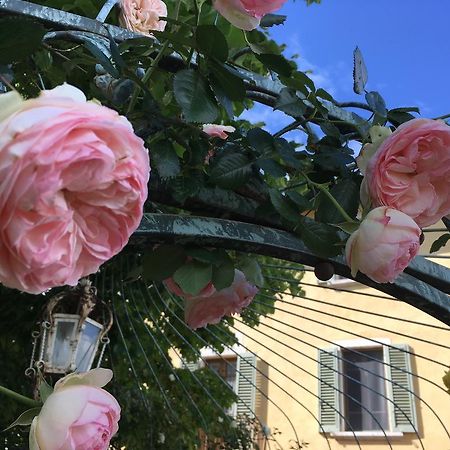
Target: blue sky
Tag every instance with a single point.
(405, 44)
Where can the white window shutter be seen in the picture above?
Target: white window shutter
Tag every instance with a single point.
(246, 384)
(328, 393)
(404, 407)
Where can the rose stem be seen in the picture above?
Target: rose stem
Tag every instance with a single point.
(20, 398)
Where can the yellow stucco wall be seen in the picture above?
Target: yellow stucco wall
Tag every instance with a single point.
(297, 337)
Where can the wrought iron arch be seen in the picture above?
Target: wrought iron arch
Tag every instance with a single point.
(424, 285)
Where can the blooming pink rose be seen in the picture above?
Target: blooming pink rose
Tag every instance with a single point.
(386, 241)
(246, 14)
(411, 171)
(73, 181)
(220, 131)
(142, 16)
(78, 415)
(210, 305)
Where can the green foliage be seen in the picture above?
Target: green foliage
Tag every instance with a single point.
(440, 242)
(19, 38)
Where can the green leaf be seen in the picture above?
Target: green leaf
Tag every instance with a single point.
(215, 257)
(287, 153)
(348, 227)
(360, 75)
(101, 58)
(231, 169)
(186, 186)
(230, 84)
(165, 159)
(330, 130)
(277, 63)
(262, 141)
(271, 167)
(290, 103)
(193, 277)
(45, 390)
(301, 202)
(300, 82)
(322, 93)
(440, 242)
(284, 206)
(194, 97)
(320, 238)
(19, 38)
(223, 274)
(346, 193)
(161, 262)
(376, 103)
(25, 418)
(252, 270)
(211, 42)
(269, 20)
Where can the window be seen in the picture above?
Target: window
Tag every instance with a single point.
(240, 373)
(225, 367)
(365, 406)
(366, 388)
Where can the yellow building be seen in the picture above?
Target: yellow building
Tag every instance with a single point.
(346, 369)
(345, 366)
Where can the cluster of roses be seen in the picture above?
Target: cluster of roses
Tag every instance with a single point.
(406, 181)
(145, 16)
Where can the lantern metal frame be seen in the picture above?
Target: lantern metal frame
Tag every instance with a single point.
(80, 307)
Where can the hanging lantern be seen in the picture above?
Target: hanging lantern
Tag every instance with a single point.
(75, 323)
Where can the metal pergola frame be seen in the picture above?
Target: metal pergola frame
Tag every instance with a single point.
(424, 285)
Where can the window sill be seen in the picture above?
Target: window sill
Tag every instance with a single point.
(366, 434)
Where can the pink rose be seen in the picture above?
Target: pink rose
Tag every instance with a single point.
(246, 14)
(73, 181)
(219, 131)
(142, 16)
(386, 241)
(411, 171)
(211, 305)
(78, 415)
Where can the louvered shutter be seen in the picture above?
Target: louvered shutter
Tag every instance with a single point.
(404, 403)
(246, 384)
(328, 394)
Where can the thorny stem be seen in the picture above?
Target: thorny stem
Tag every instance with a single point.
(18, 397)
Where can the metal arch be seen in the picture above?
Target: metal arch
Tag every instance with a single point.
(425, 286)
(65, 19)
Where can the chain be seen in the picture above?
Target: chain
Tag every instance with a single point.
(30, 370)
(45, 327)
(105, 341)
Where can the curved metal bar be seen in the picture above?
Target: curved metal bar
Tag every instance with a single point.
(66, 19)
(158, 228)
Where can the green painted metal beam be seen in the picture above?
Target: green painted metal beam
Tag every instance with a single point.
(424, 285)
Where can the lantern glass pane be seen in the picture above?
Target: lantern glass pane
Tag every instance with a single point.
(62, 350)
(87, 345)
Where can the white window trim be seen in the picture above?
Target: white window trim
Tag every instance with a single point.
(366, 434)
(364, 344)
